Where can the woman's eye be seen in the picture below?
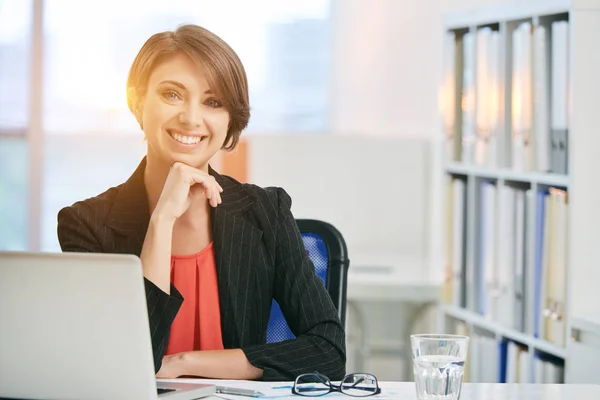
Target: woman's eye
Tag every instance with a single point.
(213, 103)
(171, 95)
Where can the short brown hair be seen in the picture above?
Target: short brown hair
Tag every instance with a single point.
(226, 74)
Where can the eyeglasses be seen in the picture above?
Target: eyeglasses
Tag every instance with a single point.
(316, 384)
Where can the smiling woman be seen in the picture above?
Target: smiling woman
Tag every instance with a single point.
(215, 252)
(284, 46)
(179, 81)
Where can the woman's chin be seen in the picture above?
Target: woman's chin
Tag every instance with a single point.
(196, 161)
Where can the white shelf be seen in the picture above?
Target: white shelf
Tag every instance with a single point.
(508, 175)
(585, 325)
(479, 321)
(582, 324)
(511, 12)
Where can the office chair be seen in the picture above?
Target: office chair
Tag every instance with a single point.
(327, 250)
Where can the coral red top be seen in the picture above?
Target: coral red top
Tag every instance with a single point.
(197, 325)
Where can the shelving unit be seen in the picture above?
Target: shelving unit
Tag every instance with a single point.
(475, 171)
(581, 315)
(475, 320)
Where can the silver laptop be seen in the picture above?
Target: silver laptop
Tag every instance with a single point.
(75, 326)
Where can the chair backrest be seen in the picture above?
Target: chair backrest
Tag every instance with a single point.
(327, 250)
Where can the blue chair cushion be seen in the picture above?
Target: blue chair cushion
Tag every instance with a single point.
(278, 329)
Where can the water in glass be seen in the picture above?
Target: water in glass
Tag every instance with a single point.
(438, 364)
(438, 377)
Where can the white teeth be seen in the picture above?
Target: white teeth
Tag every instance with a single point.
(186, 139)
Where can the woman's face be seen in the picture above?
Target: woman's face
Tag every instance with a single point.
(182, 118)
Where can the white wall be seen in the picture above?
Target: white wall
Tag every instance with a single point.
(371, 189)
(387, 57)
(386, 66)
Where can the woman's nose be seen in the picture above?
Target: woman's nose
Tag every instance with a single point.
(191, 116)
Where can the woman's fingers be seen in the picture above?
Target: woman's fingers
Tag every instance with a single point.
(212, 190)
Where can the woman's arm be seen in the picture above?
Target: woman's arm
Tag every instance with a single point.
(183, 186)
(75, 234)
(156, 251)
(222, 364)
(320, 343)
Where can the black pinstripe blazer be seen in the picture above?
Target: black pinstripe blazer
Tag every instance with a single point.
(259, 255)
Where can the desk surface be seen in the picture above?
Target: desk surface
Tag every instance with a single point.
(390, 278)
(406, 390)
(394, 287)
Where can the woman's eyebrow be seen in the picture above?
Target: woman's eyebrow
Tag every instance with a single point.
(174, 83)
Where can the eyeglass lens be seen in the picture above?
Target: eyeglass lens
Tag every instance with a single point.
(359, 385)
(312, 385)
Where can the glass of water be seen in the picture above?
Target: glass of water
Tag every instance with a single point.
(438, 363)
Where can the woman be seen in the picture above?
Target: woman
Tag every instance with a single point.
(214, 252)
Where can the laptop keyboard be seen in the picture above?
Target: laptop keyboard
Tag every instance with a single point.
(163, 391)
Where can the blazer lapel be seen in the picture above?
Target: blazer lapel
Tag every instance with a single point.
(236, 243)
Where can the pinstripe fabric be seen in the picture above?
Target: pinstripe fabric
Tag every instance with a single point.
(259, 255)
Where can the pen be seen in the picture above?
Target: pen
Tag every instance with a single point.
(238, 391)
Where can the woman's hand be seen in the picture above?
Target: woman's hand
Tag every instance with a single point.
(183, 185)
(172, 366)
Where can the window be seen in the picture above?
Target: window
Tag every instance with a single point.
(15, 28)
(283, 45)
(13, 193)
(15, 50)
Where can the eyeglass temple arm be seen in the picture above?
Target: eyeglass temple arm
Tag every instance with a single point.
(359, 388)
(356, 383)
(324, 380)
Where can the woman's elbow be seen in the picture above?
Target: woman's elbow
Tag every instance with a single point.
(333, 360)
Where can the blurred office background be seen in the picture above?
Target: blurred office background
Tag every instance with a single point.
(345, 117)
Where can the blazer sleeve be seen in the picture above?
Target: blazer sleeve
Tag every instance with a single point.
(76, 234)
(320, 339)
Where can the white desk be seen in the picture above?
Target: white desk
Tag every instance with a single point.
(389, 277)
(393, 286)
(406, 391)
(498, 391)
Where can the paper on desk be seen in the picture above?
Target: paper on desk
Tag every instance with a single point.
(271, 390)
(283, 390)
